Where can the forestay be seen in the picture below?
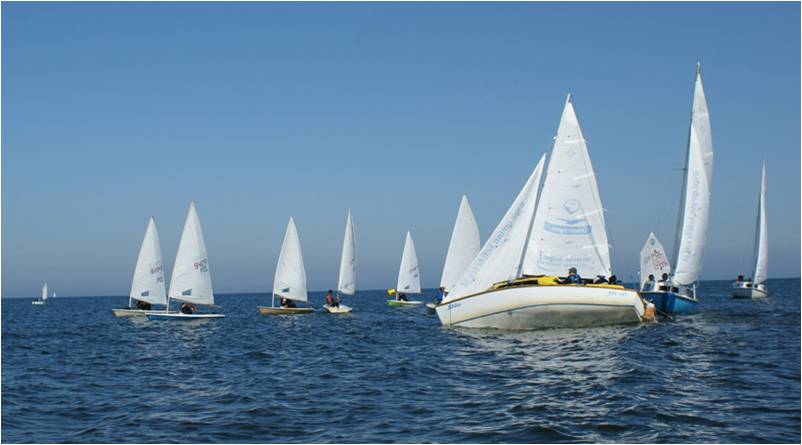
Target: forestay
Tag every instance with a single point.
(463, 247)
(191, 280)
(408, 273)
(500, 257)
(695, 205)
(148, 282)
(347, 282)
(569, 228)
(653, 260)
(761, 234)
(290, 279)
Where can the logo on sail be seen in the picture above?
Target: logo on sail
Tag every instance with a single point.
(571, 224)
(202, 265)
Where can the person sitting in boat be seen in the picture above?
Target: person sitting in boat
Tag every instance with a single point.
(600, 280)
(143, 305)
(286, 302)
(649, 283)
(613, 279)
(330, 300)
(441, 293)
(400, 296)
(739, 279)
(187, 308)
(572, 278)
(663, 283)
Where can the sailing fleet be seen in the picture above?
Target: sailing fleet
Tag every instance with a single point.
(546, 264)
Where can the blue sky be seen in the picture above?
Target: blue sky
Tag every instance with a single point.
(115, 112)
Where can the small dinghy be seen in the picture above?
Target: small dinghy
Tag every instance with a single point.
(408, 276)
(191, 281)
(653, 264)
(756, 287)
(147, 285)
(42, 298)
(346, 284)
(289, 283)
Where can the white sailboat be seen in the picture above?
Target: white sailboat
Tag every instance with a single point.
(756, 287)
(147, 285)
(462, 249)
(191, 281)
(512, 282)
(346, 285)
(289, 282)
(653, 263)
(678, 295)
(43, 297)
(408, 276)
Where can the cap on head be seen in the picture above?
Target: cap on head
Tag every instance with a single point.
(572, 270)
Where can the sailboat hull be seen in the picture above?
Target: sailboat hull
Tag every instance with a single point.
(341, 309)
(172, 316)
(404, 303)
(267, 310)
(670, 303)
(135, 312)
(741, 290)
(539, 307)
(37, 302)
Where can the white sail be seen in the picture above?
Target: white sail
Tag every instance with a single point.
(44, 292)
(191, 280)
(462, 248)
(347, 282)
(500, 256)
(54, 295)
(695, 205)
(290, 279)
(761, 234)
(408, 273)
(148, 282)
(653, 260)
(569, 228)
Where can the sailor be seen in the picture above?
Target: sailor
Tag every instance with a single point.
(649, 283)
(663, 282)
(330, 300)
(613, 279)
(600, 280)
(572, 278)
(286, 302)
(187, 308)
(441, 293)
(739, 279)
(400, 296)
(143, 305)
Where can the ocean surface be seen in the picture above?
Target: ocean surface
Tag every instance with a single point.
(72, 372)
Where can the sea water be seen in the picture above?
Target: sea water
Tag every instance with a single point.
(72, 372)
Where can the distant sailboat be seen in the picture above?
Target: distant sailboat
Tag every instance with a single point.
(147, 285)
(653, 262)
(462, 249)
(678, 295)
(289, 282)
(408, 276)
(756, 287)
(513, 282)
(346, 284)
(43, 297)
(191, 281)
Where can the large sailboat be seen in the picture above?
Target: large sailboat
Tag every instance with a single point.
(408, 276)
(756, 287)
(42, 298)
(289, 282)
(346, 284)
(653, 263)
(513, 281)
(191, 281)
(147, 285)
(678, 294)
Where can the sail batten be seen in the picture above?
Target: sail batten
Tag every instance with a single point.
(408, 272)
(463, 246)
(148, 281)
(191, 280)
(346, 283)
(290, 279)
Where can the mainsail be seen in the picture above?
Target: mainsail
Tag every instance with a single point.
(290, 279)
(148, 282)
(695, 204)
(408, 273)
(44, 292)
(761, 234)
(191, 280)
(462, 248)
(569, 228)
(653, 260)
(347, 282)
(500, 257)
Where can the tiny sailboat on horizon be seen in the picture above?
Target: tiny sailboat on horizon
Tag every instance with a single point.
(408, 276)
(42, 298)
(756, 286)
(289, 283)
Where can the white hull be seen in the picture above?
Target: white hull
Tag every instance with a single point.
(404, 303)
(135, 312)
(180, 316)
(742, 291)
(342, 309)
(537, 307)
(37, 302)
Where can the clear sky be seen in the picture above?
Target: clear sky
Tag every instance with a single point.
(115, 112)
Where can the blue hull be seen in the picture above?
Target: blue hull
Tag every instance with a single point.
(671, 303)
